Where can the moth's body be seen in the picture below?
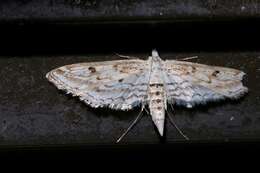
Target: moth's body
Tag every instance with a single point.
(125, 84)
(156, 92)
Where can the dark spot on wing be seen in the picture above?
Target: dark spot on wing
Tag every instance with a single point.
(193, 69)
(59, 71)
(159, 108)
(215, 73)
(115, 66)
(98, 78)
(92, 69)
(120, 80)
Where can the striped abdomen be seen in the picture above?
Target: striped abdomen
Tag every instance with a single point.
(156, 95)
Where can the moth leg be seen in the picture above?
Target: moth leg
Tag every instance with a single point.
(132, 124)
(146, 111)
(175, 125)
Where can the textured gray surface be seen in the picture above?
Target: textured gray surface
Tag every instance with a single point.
(87, 9)
(34, 112)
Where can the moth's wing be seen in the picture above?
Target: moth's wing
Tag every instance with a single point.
(192, 83)
(120, 84)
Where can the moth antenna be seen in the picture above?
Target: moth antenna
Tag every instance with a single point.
(127, 57)
(175, 125)
(189, 58)
(130, 127)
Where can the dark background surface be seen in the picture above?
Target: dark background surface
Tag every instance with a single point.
(131, 9)
(34, 112)
(37, 120)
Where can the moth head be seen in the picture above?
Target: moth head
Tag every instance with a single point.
(155, 53)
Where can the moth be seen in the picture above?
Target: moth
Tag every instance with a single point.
(153, 83)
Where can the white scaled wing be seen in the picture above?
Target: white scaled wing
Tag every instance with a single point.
(118, 84)
(192, 83)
